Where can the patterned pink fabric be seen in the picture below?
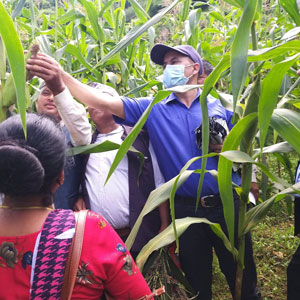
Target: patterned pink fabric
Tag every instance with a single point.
(105, 265)
(52, 255)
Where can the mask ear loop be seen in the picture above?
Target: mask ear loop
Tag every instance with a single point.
(191, 74)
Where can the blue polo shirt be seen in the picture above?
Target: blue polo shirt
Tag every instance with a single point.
(171, 127)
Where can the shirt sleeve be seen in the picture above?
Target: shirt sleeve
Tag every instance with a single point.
(109, 263)
(133, 108)
(253, 175)
(158, 177)
(74, 116)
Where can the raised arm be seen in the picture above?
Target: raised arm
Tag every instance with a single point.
(44, 67)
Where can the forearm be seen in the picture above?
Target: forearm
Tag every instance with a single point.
(93, 97)
(74, 117)
(164, 213)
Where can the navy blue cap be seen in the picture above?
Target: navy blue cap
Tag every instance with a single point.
(159, 51)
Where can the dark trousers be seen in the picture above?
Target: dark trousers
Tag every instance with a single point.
(196, 255)
(293, 277)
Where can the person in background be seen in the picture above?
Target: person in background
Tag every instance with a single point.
(293, 270)
(123, 197)
(171, 126)
(56, 101)
(33, 260)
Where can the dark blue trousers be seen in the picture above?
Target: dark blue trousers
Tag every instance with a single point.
(196, 246)
(293, 277)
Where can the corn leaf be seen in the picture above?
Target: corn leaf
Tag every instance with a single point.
(15, 54)
(167, 237)
(16, 12)
(239, 51)
(236, 3)
(287, 123)
(2, 62)
(257, 213)
(70, 16)
(283, 147)
(272, 52)
(156, 197)
(139, 11)
(131, 36)
(76, 52)
(208, 85)
(232, 142)
(185, 11)
(269, 94)
(242, 157)
(291, 7)
(93, 17)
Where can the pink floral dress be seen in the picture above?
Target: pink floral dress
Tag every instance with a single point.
(105, 264)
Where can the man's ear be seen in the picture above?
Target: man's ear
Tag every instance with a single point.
(58, 181)
(196, 67)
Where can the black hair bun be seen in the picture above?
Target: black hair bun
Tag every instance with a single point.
(21, 172)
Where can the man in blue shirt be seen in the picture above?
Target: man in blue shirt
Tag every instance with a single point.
(171, 126)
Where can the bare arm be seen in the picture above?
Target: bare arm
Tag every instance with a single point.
(44, 67)
(94, 98)
(164, 215)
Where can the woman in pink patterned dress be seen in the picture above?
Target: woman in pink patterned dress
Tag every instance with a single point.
(30, 172)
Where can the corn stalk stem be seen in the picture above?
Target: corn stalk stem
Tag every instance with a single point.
(246, 146)
(241, 254)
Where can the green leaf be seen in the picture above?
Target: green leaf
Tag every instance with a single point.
(93, 148)
(139, 11)
(292, 9)
(167, 237)
(239, 50)
(105, 7)
(131, 36)
(71, 15)
(269, 94)
(93, 17)
(209, 83)
(76, 52)
(185, 11)
(2, 62)
(156, 197)
(15, 54)
(272, 52)
(283, 147)
(232, 142)
(16, 12)
(287, 123)
(257, 213)
(291, 33)
(236, 3)
(242, 157)
(144, 87)
(194, 19)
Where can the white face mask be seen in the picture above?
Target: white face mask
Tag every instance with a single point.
(174, 75)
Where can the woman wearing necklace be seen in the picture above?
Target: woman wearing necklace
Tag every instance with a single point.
(35, 239)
